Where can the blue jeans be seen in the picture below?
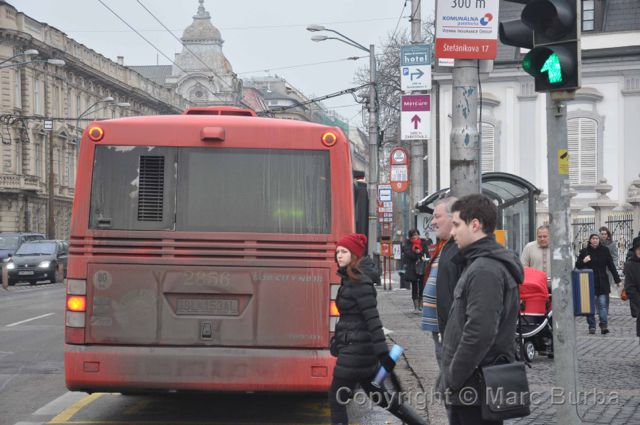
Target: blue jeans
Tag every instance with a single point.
(602, 307)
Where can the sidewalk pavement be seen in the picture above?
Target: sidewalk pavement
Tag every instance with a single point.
(608, 367)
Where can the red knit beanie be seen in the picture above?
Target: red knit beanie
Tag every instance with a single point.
(354, 242)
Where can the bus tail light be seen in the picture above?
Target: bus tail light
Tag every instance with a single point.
(334, 312)
(75, 314)
(77, 303)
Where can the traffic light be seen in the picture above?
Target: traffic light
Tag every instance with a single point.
(551, 29)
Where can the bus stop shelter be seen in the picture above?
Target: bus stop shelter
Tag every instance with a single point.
(515, 198)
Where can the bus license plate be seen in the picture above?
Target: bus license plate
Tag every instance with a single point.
(26, 273)
(213, 307)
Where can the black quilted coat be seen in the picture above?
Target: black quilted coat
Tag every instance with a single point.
(359, 339)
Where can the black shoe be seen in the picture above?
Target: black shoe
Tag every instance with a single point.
(592, 331)
(408, 415)
(604, 330)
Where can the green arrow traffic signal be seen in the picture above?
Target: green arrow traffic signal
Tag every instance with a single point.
(554, 67)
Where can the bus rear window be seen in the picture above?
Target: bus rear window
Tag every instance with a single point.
(211, 190)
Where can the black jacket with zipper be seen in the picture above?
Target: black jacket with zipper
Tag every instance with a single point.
(482, 322)
(359, 340)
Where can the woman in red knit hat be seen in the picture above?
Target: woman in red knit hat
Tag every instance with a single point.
(359, 343)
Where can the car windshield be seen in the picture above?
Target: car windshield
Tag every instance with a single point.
(36, 249)
(8, 242)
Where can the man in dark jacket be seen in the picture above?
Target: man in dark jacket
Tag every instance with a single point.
(632, 282)
(482, 321)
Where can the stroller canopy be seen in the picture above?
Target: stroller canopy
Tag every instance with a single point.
(533, 291)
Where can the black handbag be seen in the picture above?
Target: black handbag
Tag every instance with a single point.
(504, 391)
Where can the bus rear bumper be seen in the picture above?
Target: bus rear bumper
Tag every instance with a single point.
(119, 369)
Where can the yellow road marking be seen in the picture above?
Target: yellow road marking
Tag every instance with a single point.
(66, 414)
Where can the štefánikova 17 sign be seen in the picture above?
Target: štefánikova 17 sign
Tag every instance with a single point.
(467, 29)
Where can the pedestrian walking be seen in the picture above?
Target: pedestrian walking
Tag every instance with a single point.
(632, 282)
(537, 254)
(441, 276)
(606, 240)
(482, 322)
(359, 343)
(414, 251)
(598, 258)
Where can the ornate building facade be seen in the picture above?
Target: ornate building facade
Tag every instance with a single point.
(38, 91)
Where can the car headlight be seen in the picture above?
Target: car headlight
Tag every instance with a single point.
(11, 266)
(44, 264)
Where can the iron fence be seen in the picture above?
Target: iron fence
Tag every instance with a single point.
(582, 228)
(621, 227)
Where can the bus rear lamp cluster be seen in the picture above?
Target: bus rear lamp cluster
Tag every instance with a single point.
(76, 303)
(329, 138)
(334, 313)
(96, 134)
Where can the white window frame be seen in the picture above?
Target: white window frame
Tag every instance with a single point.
(585, 165)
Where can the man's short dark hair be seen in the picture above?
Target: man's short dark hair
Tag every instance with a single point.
(479, 207)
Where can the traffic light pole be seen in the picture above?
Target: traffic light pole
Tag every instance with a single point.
(465, 138)
(564, 328)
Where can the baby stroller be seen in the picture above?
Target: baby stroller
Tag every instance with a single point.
(535, 333)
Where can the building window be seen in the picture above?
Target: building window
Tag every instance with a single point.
(37, 107)
(18, 87)
(488, 143)
(38, 156)
(588, 15)
(71, 176)
(78, 105)
(583, 151)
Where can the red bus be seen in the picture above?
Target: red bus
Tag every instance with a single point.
(202, 253)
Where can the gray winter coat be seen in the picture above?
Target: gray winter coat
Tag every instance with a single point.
(482, 321)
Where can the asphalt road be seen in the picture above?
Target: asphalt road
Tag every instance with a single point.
(31, 348)
(32, 389)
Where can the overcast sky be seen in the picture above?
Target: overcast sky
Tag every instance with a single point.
(260, 36)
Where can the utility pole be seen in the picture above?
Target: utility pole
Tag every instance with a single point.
(417, 146)
(51, 225)
(465, 138)
(372, 178)
(564, 327)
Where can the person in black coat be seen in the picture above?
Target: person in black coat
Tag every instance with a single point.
(415, 251)
(359, 342)
(598, 258)
(632, 282)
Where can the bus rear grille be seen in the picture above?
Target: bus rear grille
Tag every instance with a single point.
(151, 193)
(202, 249)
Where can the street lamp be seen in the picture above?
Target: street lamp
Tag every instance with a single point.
(28, 52)
(109, 100)
(372, 181)
(55, 62)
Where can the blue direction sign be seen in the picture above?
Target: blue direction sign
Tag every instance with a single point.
(415, 54)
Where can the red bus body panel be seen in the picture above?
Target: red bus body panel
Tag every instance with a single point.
(270, 292)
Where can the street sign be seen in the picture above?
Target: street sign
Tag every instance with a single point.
(399, 158)
(415, 67)
(415, 117)
(384, 193)
(415, 77)
(48, 124)
(415, 54)
(466, 29)
(385, 204)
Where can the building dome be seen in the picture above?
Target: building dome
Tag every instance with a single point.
(201, 29)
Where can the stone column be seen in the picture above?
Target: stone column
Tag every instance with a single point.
(542, 210)
(575, 209)
(603, 205)
(633, 197)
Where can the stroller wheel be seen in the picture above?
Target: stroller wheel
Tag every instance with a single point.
(528, 351)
